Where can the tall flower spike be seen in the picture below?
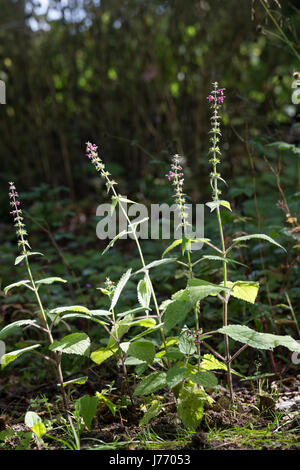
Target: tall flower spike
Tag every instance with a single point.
(92, 154)
(18, 219)
(176, 176)
(215, 98)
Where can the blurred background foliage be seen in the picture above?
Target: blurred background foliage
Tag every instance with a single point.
(133, 76)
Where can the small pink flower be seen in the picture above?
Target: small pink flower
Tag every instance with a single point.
(210, 98)
(170, 175)
(221, 90)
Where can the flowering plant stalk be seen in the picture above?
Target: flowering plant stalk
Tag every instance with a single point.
(92, 154)
(176, 176)
(24, 247)
(176, 309)
(216, 99)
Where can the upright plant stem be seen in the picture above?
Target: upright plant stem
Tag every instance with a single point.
(23, 243)
(158, 315)
(57, 358)
(92, 154)
(216, 98)
(196, 309)
(225, 307)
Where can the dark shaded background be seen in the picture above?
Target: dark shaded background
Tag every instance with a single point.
(133, 76)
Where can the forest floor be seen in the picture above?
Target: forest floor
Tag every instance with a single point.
(253, 422)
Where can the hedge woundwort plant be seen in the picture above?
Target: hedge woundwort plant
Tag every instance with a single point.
(92, 154)
(76, 343)
(176, 309)
(216, 98)
(31, 284)
(176, 176)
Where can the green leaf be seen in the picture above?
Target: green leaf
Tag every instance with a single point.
(214, 204)
(50, 280)
(101, 313)
(86, 407)
(32, 418)
(9, 329)
(225, 204)
(154, 264)
(132, 311)
(146, 322)
(39, 430)
(148, 331)
(281, 145)
(138, 222)
(34, 422)
(82, 315)
(75, 343)
(151, 384)
(190, 407)
(133, 361)
(73, 308)
(124, 199)
(175, 376)
(17, 284)
(112, 242)
(172, 246)
(206, 379)
(111, 406)
(176, 310)
(115, 200)
(119, 330)
(198, 289)
(209, 362)
(143, 350)
(11, 356)
(154, 410)
(244, 290)
(186, 343)
(20, 258)
(144, 293)
(79, 380)
(101, 354)
(218, 258)
(256, 235)
(246, 335)
(120, 286)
